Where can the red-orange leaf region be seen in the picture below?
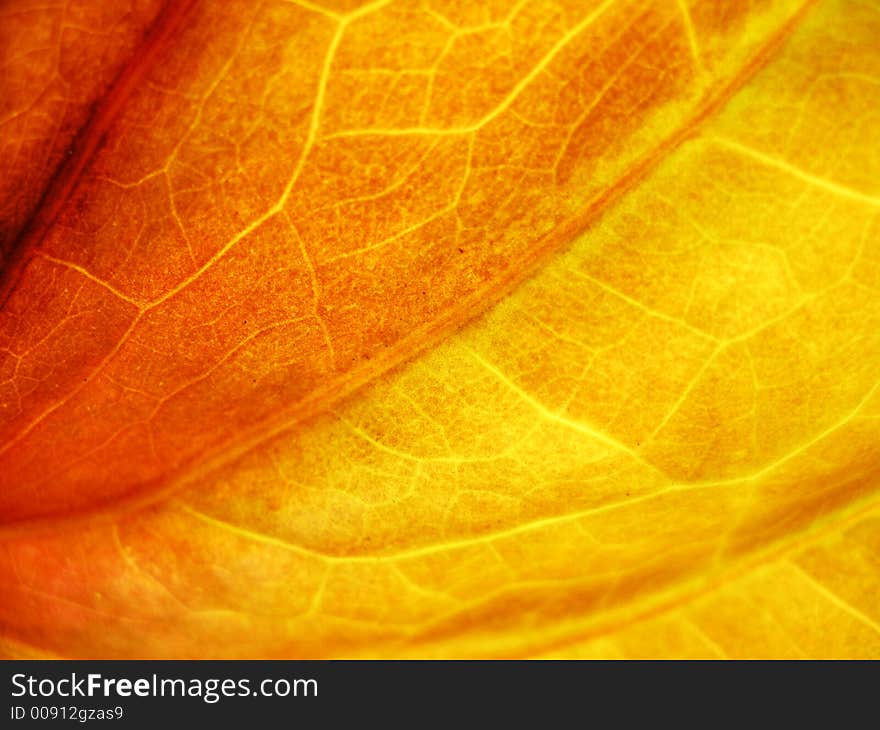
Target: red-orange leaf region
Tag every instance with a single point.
(439, 328)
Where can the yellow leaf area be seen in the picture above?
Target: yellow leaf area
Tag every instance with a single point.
(661, 440)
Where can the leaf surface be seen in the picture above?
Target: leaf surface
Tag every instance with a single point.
(416, 329)
(58, 60)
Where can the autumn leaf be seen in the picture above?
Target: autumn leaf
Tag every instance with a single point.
(418, 328)
(57, 62)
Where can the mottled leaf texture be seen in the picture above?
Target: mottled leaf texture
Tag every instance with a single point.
(440, 328)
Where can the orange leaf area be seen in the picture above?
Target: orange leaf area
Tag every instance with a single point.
(446, 329)
(56, 61)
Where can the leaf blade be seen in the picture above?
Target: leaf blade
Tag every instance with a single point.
(668, 404)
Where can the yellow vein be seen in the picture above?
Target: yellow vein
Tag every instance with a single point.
(91, 277)
(839, 602)
(508, 100)
(555, 417)
(796, 172)
(688, 23)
